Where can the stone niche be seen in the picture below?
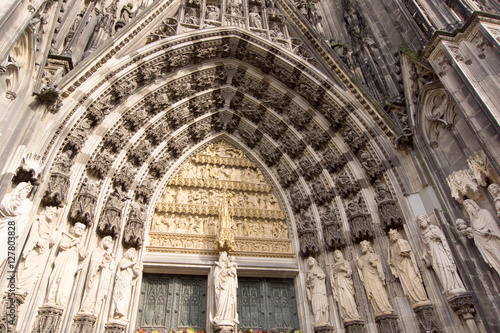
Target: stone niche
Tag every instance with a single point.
(188, 219)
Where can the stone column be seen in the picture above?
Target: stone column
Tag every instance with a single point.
(463, 305)
(427, 318)
(83, 323)
(387, 323)
(354, 326)
(115, 327)
(48, 319)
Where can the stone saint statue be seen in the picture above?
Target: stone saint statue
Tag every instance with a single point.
(98, 276)
(485, 232)
(255, 19)
(494, 190)
(226, 284)
(343, 288)
(65, 266)
(15, 206)
(37, 249)
(127, 272)
(404, 267)
(373, 278)
(437, 254)
(316, 293)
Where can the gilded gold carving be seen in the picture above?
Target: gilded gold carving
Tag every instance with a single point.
(220, 201)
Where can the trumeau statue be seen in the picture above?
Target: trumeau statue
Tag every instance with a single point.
(373, 278)
(343, 288)
(98, 276)
(403, 266)
(437, 254)
(485, 232)
(65, 266)
(226, 284)
(316, 293)
(127, 272)
(36, 252)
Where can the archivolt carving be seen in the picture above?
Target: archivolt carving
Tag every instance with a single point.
(83, 207)
(333, 232)
(359, 220)
(388, 209)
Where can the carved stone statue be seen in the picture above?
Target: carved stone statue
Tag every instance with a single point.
(437, 254)
(255, 19)
(37, 249)
(65, 266)
(192, 17)
(316, 293)
(373, 278)
(494, 190)
(15, 206)
(226, 283)
(485, 232)
(98, 276)
(343, 288)
(127, 272)
(403, 266)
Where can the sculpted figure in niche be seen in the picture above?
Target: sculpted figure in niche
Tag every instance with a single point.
(485, 232)
(255, 20)
(192, 17)
(343, 288)
(494, 190)
(127, 272)
(373, 278)
(403, 266)
(212, 14)
(226, 284)
(37, 249)
(65, 266)
(98, 276)
(437, 254)
(316, 293)
(276, 31)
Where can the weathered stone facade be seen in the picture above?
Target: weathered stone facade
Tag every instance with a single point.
(275, 130)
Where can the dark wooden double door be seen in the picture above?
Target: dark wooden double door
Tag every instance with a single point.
(180, 301)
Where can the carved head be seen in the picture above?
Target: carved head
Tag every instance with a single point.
(131, 254)
(366, 247)
(338, 256)
(311, 261)
(50, 213)
(78, 229)
(23, 189)
(423, 221)
(494, 190)
(223, 256)
(107, 242)
(471, 207)
(394, 235)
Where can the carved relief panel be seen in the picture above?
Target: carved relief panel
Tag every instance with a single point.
(219, 194)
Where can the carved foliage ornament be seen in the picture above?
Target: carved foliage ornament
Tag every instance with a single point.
(481, 168)
(462, 185)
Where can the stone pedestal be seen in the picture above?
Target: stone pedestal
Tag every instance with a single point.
(354, 326)
(10, 310)
(83, 323)
(463, 305)
(115, 327)
(427, 318)
(48, 319)
(223, 328)
(387, 323)
(324, 329)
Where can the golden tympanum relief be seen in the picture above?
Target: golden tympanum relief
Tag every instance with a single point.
(218, 201)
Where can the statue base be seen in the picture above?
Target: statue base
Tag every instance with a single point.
(83, 322)
(116, 326)
(48, 319)
(354, 326)
(222, 328)
(427, 318)
(10, 310)
(387, 323)
(324, 329)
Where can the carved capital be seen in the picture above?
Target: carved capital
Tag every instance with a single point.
(48, 319)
